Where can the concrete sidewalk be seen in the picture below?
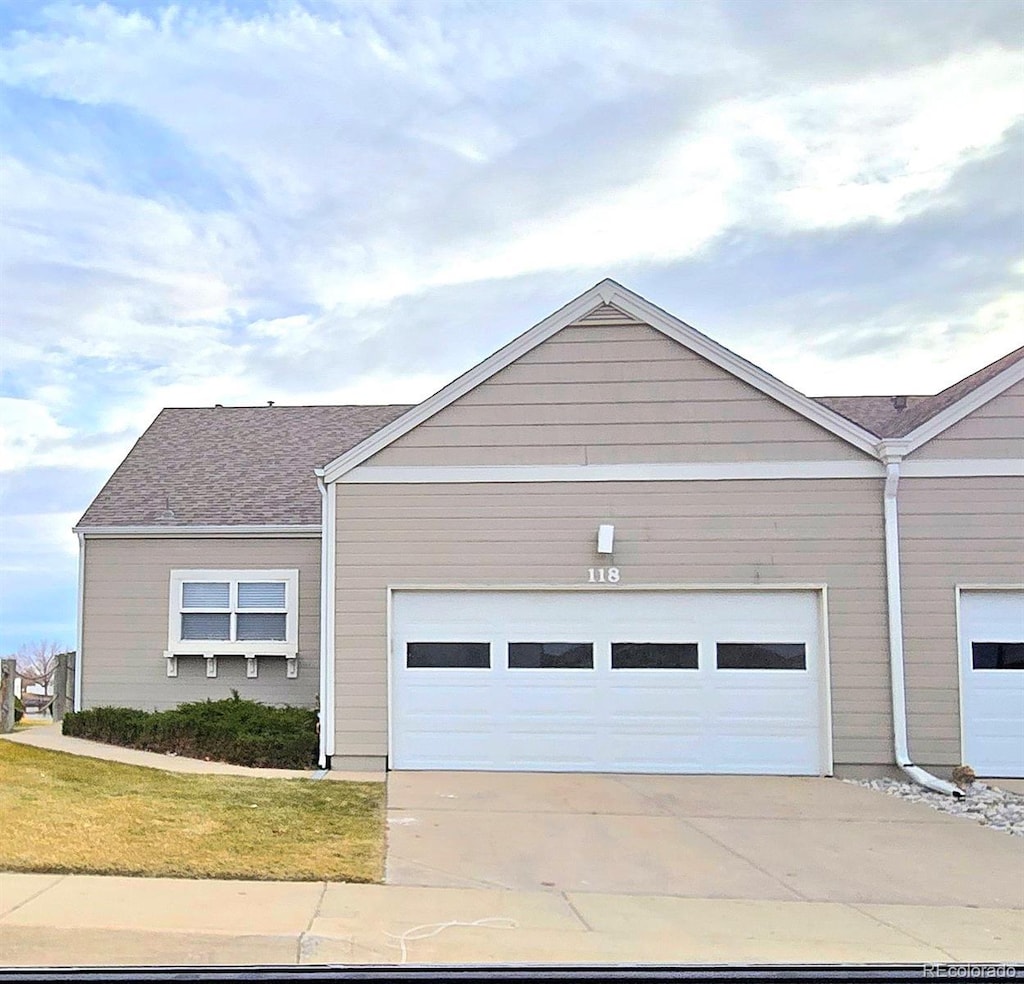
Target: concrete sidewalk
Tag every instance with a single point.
(54, 920)
(49, 736)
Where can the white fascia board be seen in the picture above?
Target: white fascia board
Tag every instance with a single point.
(304, 530)
(606, 292)
(711, 471)
(977, 398)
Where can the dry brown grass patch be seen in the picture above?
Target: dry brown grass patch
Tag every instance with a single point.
(70, 814)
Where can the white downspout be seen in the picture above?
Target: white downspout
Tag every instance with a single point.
(895, 600)
(327, 535)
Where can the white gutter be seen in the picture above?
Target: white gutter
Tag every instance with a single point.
(249, 532)
(80, 621)
(895, 600)
(328, 538)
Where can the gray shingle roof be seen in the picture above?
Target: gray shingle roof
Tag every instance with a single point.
(241, 466)
(223, 466)
(879, 414)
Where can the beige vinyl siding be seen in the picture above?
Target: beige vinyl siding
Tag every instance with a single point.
(126, 597)
(666, 533)
(995, 430)
(952, 531)
(606, 392)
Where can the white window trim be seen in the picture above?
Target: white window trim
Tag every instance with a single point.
(249, 648)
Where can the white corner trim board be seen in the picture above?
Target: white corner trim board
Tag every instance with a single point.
(328, 553)
(325, 604)
(712, 471)
(80, 622)
(608, 291)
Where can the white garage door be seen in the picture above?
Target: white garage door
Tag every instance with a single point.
(611, 681)
(992, 675)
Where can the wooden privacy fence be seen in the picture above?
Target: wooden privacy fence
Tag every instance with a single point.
(63, 686)
(62, 701)
(7, 671)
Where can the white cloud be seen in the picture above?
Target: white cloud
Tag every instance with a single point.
(920, 356)
(875, 148)
(137, 278)
(28, 434)
(27, 535)
(350, 130)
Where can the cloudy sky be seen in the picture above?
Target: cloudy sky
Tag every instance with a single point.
(318, 202)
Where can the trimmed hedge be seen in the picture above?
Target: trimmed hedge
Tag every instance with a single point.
(243, 732)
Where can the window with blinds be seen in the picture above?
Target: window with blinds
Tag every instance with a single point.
(233, 607)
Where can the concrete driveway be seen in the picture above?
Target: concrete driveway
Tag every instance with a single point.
(725, 837)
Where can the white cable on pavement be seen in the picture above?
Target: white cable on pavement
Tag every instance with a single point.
(418, 932)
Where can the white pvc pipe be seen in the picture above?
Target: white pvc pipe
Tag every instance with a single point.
(895, 601)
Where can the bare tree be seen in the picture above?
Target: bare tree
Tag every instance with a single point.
(37, 663)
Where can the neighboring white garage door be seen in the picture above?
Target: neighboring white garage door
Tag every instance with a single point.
(992, 674)
(610, 681)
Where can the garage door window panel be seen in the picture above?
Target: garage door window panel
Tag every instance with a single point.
(654, 656)
(761, 656)
(550, 655)
(448, 655)
(997, 655)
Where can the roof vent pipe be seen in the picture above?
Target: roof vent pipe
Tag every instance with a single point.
(899, 690)
(899, 402)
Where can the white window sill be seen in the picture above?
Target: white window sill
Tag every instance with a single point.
(246, 649)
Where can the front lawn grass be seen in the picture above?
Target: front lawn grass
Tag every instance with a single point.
(76, 815)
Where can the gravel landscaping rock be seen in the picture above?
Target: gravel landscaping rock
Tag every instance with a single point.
(990, 806)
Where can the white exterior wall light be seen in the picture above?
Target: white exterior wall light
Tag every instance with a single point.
(605, 538)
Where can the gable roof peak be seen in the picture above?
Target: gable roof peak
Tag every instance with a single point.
(607, 291)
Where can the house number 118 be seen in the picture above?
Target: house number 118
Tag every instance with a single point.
(603, 575)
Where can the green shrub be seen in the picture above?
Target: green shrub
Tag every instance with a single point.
(113, 725)
(19, 709)
(234, 730)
